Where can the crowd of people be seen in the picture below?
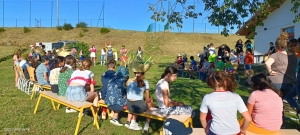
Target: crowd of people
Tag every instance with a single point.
(218, 110)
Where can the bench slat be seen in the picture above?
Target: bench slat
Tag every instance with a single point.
(64, 99)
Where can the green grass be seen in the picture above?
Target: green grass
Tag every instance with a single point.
(17, 108)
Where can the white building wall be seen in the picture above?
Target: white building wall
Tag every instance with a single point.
(279, 19)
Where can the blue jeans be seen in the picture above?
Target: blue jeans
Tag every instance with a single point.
(294, 92)
(285, 89)
(203, 76)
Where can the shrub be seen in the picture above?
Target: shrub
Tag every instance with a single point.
(85, 30)
(81, 34)
(59, 27)
(26, 30)
(81, 25)
(67, 26)
(2, 29)
(104, 30)
(80, 46)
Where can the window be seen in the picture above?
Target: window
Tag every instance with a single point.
(289, 31)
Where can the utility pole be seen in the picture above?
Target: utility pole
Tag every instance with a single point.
(193, 17)
(3, 14)
(30, 14)
(57, 12)
(51, 12)
(78, 11)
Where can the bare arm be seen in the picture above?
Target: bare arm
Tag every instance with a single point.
(92, 85)
(169, 103)
(203, 119)
(246, 123)
(250, 108)
(268, 64)
(147, 96)
(46, 76)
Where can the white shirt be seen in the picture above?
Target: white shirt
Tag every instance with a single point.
(87, 74)
(242, 60)
(103, 52)
(161, 85)
(212, 49)
(234, 59)
(223, 107)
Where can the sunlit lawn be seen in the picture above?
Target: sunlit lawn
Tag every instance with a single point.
(17, 108)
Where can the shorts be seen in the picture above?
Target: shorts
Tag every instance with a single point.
(102, 57)
(93, 54)
(115, 107)
(54, 88)
(137, 107)
(247, 66)
(81, 57)
(76, 93)
(109, 58)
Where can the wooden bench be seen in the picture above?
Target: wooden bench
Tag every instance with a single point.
(153, 113)
(78, 106)
(200, 131)
(36, 87)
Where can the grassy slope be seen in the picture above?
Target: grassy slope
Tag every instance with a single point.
(169, 43)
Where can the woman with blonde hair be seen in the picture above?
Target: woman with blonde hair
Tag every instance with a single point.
(281, 66)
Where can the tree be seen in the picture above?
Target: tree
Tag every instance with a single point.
(226, 13)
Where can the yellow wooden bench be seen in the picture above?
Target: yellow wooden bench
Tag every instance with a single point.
(153, 113)
(78, 106)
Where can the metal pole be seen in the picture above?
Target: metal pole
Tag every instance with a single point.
(40, 23)
(78, 11)
(103, 12)
(194, 18)
(51, 12)
(205, 27)
(57, 13)
(3, 13)
(29, 13)
(16, 23)
(91, 23)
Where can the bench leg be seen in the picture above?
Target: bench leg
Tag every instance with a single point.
(37, 104)
(53, 105)
(33, 91)
(95, 117)
(58, 106)
(78, 122)
(189, 123)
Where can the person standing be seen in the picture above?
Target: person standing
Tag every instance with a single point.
(139, 53)
(123, 53)
(93, 54)
(239, 47)
(102, 59)
(109, 53)
(281, 67)
(73, 51)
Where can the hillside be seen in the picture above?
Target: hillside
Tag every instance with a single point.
(158, 43)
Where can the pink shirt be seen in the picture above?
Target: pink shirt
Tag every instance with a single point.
(93, 49)
(267, 111)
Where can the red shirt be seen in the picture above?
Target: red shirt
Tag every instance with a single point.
(249, 59)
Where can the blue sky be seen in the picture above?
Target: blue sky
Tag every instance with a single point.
(118, 14)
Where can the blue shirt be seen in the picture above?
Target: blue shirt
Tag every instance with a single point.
(105, 77)
(194, 64)
(134, 92)
(41, 69)
(116, 91)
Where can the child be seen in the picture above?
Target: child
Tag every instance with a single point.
(162, 92)
(54, 73)
(266, 112)
(192, 68)
(116, 94)
(74, 51)
(219, 64)
(248, 62)
(105, 77)
(228, 66)
(42, 72)
(80, 80)
(223, 104)
(81, 55)
(204, 69)
(64, 76)
(109, 53)
(136, 89)
(102, 59)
